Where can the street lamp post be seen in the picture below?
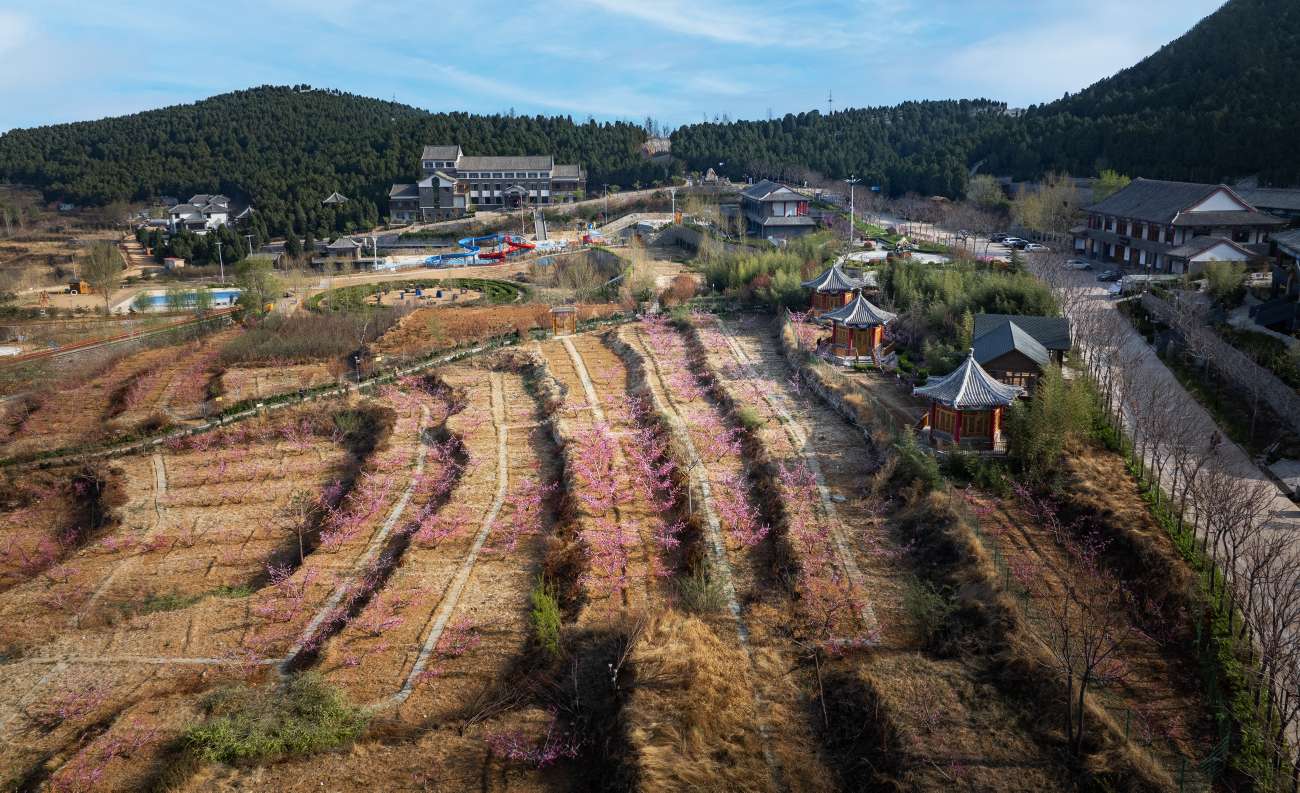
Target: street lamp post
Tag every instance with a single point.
(851, 181)
(221, 262)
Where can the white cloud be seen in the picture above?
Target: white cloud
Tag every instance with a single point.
(701, 19)
(15, 30)
(792, 25)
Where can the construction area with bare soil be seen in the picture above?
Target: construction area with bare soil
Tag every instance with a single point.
(660, 556)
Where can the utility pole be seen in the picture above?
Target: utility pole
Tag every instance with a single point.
(221, 262)
(851, 181)
(607, 203)
(672, 191)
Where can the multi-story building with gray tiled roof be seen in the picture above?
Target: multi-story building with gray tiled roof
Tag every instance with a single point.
(452, 183)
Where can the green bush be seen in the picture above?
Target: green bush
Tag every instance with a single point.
(354, 299)
(952, 290)
(931, 611)
(701, 593)
(769, 275)
(246, 725)
(915, 464)
(545, 617)
(984, 473)
(1040, 429)
(301, 338)
(749, 418)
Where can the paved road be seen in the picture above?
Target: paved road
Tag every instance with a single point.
(1235, 459)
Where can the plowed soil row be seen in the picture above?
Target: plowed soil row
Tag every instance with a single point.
(156, 384)
(450, 622)
(942, 719)
(760, 630)
(1156, 692)
(179, 561)
(594, 380)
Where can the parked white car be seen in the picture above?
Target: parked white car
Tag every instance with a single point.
(1035, 247)
(1078, 264)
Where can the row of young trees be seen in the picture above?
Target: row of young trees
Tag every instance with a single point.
(1223, 512)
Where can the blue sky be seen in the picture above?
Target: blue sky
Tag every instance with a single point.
(675, 60)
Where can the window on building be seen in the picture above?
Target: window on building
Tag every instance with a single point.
(1241, 235)
(945, 420)
(975, 425)
(496, 176)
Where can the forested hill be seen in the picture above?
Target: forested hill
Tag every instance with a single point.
(284, 149)
(1217, 103)
(922, 147)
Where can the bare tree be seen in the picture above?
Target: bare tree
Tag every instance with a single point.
(102, 269)
(1087, 624)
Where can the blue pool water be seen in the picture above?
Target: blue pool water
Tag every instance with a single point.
(220, 298)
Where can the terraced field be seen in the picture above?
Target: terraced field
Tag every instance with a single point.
(648, 559)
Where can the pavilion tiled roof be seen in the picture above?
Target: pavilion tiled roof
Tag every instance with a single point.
(969, 387)
(833, 280)
(860, 313)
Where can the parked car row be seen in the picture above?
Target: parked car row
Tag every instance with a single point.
(1019, 243)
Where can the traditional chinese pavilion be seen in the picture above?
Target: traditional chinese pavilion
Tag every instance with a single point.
(967, 407)
(832, 289)
(564, 320)
(857, 328)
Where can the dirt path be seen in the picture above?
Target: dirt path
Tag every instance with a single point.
(584, 377)
(574, 370)
(377, 542)
(955, 727)
(781, 404)
(452, 597)
(664, 403)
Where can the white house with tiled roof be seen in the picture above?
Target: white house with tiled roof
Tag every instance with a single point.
(200, 214)
(1172, 227)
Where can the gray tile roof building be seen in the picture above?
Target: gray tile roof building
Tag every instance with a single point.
(1010, 337)
(453, 184)
(1199, 245)
(1289, 241)
(1052, 333)
(528, 163)
(440, 153)
(1279, 201)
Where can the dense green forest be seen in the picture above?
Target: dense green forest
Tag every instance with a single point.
(921, 147)
(1217, 104)
(914, 147)
(283, 149)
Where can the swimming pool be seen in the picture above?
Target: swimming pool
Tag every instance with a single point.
(161, 299)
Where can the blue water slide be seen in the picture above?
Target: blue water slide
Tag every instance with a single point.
(471, 247)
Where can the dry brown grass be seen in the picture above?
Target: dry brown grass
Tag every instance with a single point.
(691, 717)
(428, 330)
